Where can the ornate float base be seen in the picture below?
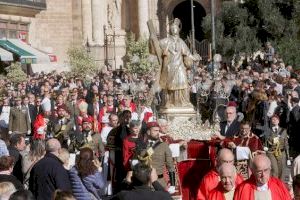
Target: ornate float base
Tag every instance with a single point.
(184, 124)
(170, 113)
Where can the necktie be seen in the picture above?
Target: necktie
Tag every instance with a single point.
(151, 144)
(227, 127)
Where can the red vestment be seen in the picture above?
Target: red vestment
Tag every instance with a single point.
(106, 110)
(128, 151)
(246, 190)
(210, 181)
(39, 124)
(253, 142)
(217, 193)
(131, 107)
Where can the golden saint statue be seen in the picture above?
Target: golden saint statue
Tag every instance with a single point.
(173, 78)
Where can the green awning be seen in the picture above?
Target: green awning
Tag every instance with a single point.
(25, 56)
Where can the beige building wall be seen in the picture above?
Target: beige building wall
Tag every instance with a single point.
(61, 25)
(52, 30)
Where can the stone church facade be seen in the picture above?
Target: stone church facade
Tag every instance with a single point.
(98, 25)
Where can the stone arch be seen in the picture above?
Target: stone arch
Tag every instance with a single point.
(171, 4)
(166, 11)
(167, 7)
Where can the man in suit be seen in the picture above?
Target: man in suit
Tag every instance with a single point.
(294, 85)
(32, 87)
(231, 126)
(142, 179)
(19, 119)
(293, 126)
(30, 108)
(37, 107)
(17, 145)
(72, 106)
(48, 174)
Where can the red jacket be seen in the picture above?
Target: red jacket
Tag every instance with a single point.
(245, 191)
(128, 151)
(38, 124)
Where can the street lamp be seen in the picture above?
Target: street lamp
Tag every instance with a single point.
(193, 26)
(213, 34)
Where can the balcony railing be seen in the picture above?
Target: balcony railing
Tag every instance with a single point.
(35, 4)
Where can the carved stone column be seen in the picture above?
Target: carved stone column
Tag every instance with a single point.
(99, 16)
(128, 16)
(87, 25)
(118, 14)
(143, 13)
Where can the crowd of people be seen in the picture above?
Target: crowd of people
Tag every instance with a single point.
(65, 138)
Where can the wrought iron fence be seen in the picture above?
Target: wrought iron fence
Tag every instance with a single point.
(203, 48)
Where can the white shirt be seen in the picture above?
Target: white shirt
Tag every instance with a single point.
(4, 116)
(141, 118)
(272, 107)
(278, 88)
(263, 187)
(275, 128)
(104, 133)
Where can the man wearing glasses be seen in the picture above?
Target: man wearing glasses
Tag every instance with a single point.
(231, 126)
(261, 185)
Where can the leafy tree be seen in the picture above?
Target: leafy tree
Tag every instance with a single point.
(82, 64)
(233, 35)
(138, 59)
(15, 73)
(244, 28)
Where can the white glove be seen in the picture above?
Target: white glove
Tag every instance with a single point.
(288, 163)
(9, 132)
(28, 132)
(171, 189)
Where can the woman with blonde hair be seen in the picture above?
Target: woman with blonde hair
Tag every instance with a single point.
(6, 189)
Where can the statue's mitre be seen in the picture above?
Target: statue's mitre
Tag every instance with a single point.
(176, 22)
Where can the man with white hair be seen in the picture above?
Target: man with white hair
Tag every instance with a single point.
(231, 126)
(227, 185)
(211, 180)
(48, 174)
(261, 186)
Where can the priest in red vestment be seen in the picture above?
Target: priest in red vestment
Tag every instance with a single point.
(211, 180)
(227, 185)
(245, 138)
(261, 185)
(129, 144)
